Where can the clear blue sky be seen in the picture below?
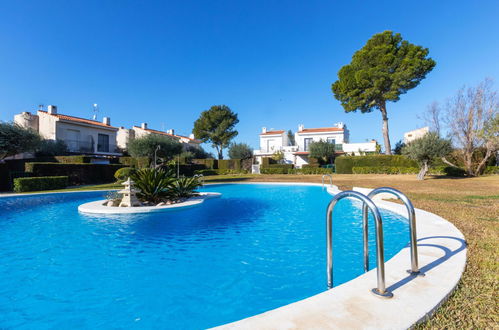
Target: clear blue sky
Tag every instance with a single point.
(272, 62)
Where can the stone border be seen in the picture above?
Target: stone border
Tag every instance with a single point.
(98, 207)
(442, 257)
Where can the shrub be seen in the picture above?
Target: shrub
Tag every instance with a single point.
(231, 164)
(184, 188)
(454, 171)
(77, 173)
(40, 183)
(492, 170)
(51, 148)
(313, 170)
(153, 184)
(240, 151)
(344, 164)
(146, 147)
(137, 162)
(15, 139)
(384, 170)
(208, 162)
(277, 169)
(124, 173)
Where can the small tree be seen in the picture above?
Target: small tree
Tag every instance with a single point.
(216, 126)
(147, 146)
(322, 150)
(52, 148)
(291, 138)
(240, 151)
(15, 139)
(385, 68)
(278, 156)
(398, 147)
(425, 149)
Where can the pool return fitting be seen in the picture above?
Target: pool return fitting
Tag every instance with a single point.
(367, 202)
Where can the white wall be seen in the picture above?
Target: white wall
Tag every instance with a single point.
(318, 136)
(274, 142)
(356, 147)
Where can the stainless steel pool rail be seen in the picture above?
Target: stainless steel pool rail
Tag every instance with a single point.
(380, 256)
(412, 228)
(330, 179)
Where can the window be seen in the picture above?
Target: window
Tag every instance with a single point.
(103, 143)
(331, 140)
(306, 143)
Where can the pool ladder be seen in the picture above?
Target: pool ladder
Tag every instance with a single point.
(367, 203)
(200, 178)
(330, 179)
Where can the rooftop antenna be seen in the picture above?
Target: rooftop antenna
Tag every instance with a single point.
(96, 109)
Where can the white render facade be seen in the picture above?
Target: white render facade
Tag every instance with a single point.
(297, 154)
(415, 134)
(82, 136)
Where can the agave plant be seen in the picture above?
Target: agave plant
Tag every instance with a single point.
(184, 187)
(154, 184)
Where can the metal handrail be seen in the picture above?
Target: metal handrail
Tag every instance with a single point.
(330, 179)
(380, 256)
(412, 228)
(200, 178)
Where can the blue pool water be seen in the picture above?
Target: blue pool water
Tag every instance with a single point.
(256, 248)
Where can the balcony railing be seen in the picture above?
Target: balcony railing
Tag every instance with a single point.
(337, 147)
(89, 147)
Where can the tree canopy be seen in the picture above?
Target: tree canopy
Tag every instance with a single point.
(216, 126)
(385, 68)
(146, 146)
(322, 150)
(15, 139)
(425, 149)
(240, 151)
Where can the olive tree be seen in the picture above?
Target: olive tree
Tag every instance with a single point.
(322, 150)
(425, 149)
(15, 139)
(240, 151)
(385, 68)
(163, 147)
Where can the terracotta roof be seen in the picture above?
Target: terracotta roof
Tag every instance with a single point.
(167, 134)
(321, 129)
(272, 132)
(301, 153)
(78, 120)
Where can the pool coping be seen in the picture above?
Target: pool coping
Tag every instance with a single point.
(442, 257)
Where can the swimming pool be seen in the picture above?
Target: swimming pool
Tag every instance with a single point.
(256, 248)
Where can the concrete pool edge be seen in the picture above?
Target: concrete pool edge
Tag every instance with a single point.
(442, 257)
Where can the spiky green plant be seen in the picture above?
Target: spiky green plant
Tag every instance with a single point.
(184, 187)
(154, 184)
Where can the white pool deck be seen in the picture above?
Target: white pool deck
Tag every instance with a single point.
(442, 257)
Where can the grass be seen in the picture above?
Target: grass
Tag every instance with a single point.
(472, 204)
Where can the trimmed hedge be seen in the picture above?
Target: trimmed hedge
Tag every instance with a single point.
(139, 162)
(344, 164)
(77, 173)
(275, 170)
(313, 170)
(40, 183)
(4, 177)
(384, 170)
(230, 164)
(220, 171)
(491, 170)
(79, 159)
(208, 162)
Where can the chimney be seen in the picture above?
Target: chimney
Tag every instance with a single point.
(191, 136)
(339, 125)
(143, 125)
(106, 121)
(300, 127)
(264, 130)
(52, 109)
(171, 131)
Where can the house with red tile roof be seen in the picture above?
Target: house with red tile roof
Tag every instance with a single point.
(82, 136)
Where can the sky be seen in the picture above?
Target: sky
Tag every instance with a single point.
(271, 62)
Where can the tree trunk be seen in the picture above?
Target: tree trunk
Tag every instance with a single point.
(220, 153)
(386, 136)
(423, 171)
(478, 170)
(448, 163)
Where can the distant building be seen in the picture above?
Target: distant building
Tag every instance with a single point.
(415, 134)
(82, 136)
(277, 141)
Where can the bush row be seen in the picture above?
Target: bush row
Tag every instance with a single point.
(384, 170)
(40, 183)
(139, 162)
(491, 170)
(77, 173)
(345, 164)
(303, 170)
(218, 171)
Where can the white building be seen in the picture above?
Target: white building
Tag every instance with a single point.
(125, 135)
(415, 134)
(82, 136)
(297, 154)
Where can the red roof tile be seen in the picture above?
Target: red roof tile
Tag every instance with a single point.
(167, 134)
(78, 119)
(321, 129)
(272, 132)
